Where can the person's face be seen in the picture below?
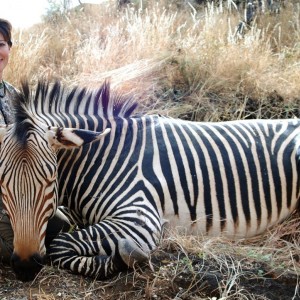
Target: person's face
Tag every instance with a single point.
(4, 54)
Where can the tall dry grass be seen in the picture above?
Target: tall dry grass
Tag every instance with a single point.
(174, 59)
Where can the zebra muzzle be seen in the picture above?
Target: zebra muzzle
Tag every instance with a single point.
(27, 269)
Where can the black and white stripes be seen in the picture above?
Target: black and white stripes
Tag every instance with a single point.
(235, 178)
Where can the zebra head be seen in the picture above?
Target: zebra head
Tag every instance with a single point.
(29, 186)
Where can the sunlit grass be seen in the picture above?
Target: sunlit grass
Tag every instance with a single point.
(158, 51)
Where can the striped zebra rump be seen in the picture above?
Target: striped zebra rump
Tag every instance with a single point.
(233, 178)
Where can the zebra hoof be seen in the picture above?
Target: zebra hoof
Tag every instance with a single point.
(131, 252)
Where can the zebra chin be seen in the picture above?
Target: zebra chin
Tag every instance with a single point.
(27, 269)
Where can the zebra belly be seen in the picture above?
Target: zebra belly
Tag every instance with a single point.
(231, 230)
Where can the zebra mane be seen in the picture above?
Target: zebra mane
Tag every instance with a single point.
(54, 100)
(22, 117)
(49, 98)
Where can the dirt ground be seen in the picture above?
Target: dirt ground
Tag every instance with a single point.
(217, 270)
(199, 280)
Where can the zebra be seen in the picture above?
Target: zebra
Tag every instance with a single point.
(124, 176)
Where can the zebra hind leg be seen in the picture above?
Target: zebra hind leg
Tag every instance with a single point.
(77, 252)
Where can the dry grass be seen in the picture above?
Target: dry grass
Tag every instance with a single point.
(175, 61)
(185, 62)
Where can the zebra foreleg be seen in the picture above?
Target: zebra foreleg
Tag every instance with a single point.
(81, 255)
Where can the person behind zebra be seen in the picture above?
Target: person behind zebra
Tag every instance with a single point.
(7, 92)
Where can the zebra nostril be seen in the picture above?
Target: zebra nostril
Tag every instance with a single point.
(27, 269)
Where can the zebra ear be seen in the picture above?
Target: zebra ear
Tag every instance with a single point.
(72, 138)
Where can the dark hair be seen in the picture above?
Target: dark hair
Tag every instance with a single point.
(5, 30)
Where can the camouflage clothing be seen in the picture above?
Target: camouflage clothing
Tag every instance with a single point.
(6, 236)
(7, 92)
